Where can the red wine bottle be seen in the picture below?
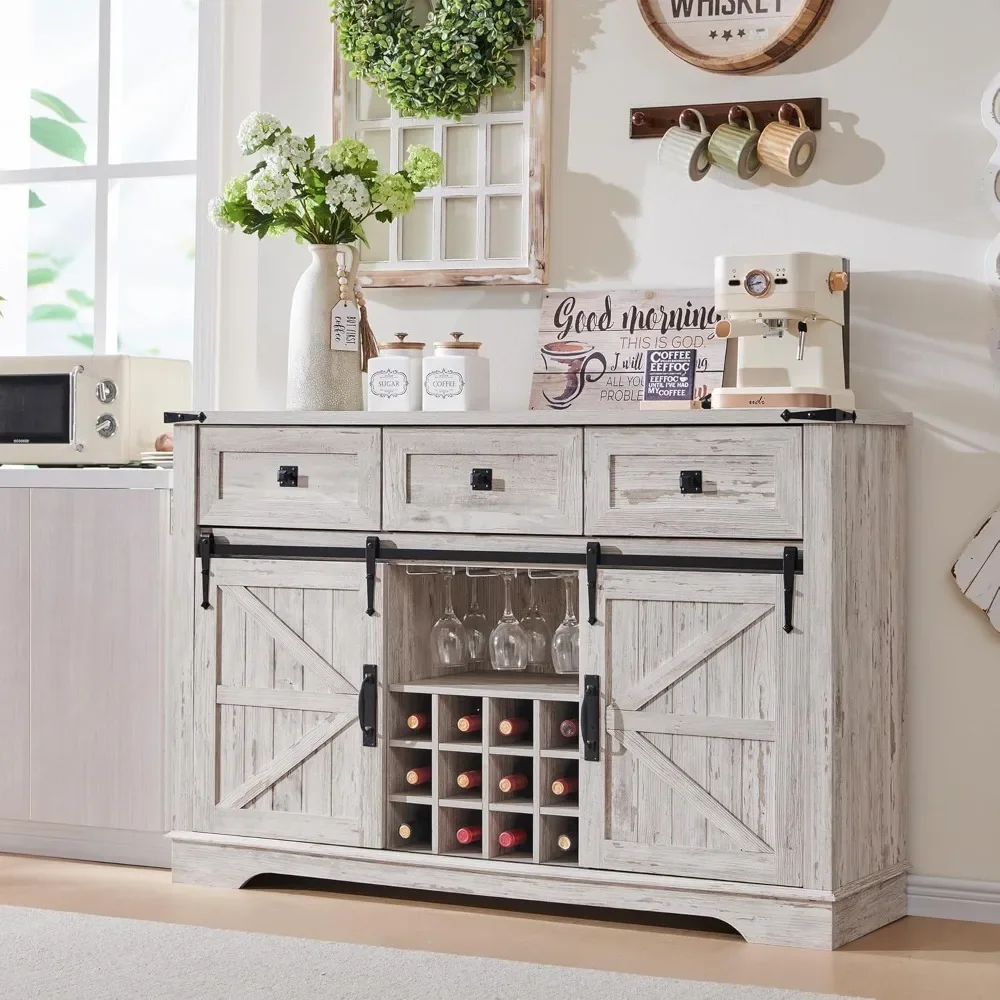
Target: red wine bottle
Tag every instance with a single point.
(415, 831)
(510, 839)
(469, 835)
(566, 843)
(564, 786)
(514, 727)
(418, 722)
(569, 728)
(513, 783)
(418, 776)
(470, 723)
(469, 779)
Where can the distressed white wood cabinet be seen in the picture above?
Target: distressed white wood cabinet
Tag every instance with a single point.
(739, 585)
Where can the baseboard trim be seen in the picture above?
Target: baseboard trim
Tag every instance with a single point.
(85, 843)
(953, 899)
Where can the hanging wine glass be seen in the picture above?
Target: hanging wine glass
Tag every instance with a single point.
(449, 644)
(566, 640)
(477, 629)
(537, 630)
(508, 641)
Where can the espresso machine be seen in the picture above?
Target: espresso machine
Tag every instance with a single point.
(790, 314)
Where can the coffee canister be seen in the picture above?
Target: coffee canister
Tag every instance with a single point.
(456, 377)
(395, 376)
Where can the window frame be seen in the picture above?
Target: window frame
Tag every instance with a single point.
(536, 187)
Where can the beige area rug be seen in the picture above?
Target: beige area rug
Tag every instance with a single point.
(69, 956)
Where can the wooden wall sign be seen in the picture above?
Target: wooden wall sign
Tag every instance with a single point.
(735, 36)
(600, 350)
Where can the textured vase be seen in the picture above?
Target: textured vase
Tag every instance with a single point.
(320, 378)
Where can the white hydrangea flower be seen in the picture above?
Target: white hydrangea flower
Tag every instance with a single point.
(218, 219)
(350, 193)
(322, 161)
(289, 153)
(269, 189)
(255, 130)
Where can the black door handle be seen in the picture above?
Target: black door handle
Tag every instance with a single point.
(590, 717)
(789, 562)
(482, 480)
(288, 475)
(368, 706)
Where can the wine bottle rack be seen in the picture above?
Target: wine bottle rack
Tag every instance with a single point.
(541, 754)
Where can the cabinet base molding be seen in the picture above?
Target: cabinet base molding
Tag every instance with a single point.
(141, 848)
(775, 915)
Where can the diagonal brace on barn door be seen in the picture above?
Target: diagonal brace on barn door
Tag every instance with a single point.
(691, 656)
(284, 636)
(683, 784)
(303, 747)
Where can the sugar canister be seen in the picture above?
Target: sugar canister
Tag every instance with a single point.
(456, 376)
(394, 377)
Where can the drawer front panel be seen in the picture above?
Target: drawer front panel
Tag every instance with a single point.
(338, 475)
(751, 482)
(537, 481)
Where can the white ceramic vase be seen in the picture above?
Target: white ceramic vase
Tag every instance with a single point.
(320, 378)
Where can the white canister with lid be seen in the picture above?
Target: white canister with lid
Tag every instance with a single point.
(456, 376)
(395, 376)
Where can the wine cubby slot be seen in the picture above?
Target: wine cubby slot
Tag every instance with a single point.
(466, 824)
(559, 726)
(519, 826)
(410, 827)
(558, 840)
(560, 786)
(410, 721)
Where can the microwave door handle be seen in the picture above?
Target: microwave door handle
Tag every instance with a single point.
(73, 373)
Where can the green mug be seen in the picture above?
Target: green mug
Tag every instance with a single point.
(734, 148)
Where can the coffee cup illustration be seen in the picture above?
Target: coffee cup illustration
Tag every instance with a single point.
(578, 362)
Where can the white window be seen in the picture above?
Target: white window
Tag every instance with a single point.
(100, 207)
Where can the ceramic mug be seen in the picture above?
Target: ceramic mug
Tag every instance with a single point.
(789, 149)
(684, 149)
(734, 148)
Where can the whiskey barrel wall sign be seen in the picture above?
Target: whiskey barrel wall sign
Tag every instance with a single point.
(735, 36)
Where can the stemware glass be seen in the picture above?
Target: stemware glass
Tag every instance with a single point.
(449, 643)
(477, 628)
(508, 641)
(537, 630)
(566, 640)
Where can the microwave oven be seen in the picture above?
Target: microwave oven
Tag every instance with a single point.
(87, 410)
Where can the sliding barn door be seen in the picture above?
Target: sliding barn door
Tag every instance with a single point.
(701, 693)
(280, 657)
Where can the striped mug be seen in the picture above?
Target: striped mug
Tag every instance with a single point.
(789, 149)
(734, 148)
(684, 149)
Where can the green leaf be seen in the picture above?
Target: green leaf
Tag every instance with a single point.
(61, 108)
(34, 201)
(59, 138)
(41, 314)
(79, 298)
(83, 339)
(41, 276)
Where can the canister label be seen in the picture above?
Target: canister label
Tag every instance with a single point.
(444, 383)
(389, 383)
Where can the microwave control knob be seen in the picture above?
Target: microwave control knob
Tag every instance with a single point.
(107, 426)
(107, 391)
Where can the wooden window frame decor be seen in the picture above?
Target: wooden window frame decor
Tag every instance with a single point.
(725, 24)
(531, 266)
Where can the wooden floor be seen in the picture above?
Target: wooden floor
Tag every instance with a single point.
(911, 960)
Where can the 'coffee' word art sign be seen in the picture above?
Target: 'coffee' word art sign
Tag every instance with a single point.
(735, 36)
(614, 350)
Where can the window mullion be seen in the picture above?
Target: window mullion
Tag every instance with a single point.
(105, 327)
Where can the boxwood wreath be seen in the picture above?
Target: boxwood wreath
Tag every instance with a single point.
(440, 70)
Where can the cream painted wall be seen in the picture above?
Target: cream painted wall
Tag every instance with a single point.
(896, 188)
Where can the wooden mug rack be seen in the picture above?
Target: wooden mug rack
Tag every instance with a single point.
(652, 123)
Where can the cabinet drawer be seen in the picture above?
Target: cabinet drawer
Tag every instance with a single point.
(751, 481)
(338, 472)
(537, 481)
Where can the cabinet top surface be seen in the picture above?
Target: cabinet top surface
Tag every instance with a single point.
(534, 418)
(31, 477)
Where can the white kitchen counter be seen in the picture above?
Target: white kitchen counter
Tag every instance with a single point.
(32, 477)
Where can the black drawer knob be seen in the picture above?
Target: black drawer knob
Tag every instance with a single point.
(288, 475)
(691, 481)
(482, 480)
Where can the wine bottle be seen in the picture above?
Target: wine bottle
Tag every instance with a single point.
(418, 721)
(564, 786)
(470, 723)
(469, 835)
(514, 727)
(510, 839)
(418, 776)
(569, 728)
(469, 779)
(513, 783)
(415, 831)
(566, 843)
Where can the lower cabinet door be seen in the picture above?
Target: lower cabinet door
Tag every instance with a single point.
(701, 740)
(280, 657)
